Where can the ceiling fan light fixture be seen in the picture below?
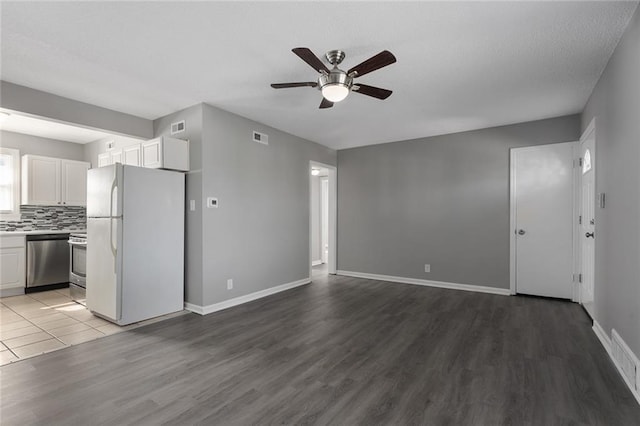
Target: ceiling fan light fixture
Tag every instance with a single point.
(335, 92)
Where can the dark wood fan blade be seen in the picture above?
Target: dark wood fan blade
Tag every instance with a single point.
(382, 59)
(374, 92)
(310, 58)
(325, 104)
(287, 85)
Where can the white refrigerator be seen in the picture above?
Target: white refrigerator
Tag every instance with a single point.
(135, 243)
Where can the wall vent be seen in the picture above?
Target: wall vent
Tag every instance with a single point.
(178, 127)
(626, 360)
(260, 138)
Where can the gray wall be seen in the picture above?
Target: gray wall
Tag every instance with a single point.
(259, 236)
(615, 103)
(43, 104)
(440, 200)
(316, 214)
(193, 191)
(35, 145)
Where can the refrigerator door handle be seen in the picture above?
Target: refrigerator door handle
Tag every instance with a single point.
(113, 247)
(114, 186)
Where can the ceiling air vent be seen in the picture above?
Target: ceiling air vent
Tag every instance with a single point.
(260, 138)
(178, 127)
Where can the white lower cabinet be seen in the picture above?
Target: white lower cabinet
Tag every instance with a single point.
(12, 264)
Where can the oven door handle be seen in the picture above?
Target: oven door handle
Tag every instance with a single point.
(76, 243)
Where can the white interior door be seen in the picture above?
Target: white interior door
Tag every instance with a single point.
(588, 220)
(542, 210)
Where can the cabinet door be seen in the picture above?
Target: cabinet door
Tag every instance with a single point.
(104, 159)
(116, 156)
(74, 182)
(12, 268)
(131, 155)
(40, 180)
(152, 153)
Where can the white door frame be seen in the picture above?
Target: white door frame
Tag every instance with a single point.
(512, 222)
(324, 219)
(333, 215)
(577, 207)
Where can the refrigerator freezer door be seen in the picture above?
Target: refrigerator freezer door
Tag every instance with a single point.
(103, 267)
(104, 191)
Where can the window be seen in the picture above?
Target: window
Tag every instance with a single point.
(9, 183)
(586, 162)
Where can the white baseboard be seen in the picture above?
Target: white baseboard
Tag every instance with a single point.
(204, 310)
(602, 336)
(607, 344)
(316, 263)
(428, 283)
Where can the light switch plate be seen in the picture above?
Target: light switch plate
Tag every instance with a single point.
(192, 205)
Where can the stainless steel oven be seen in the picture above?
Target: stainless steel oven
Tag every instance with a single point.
(78, 267)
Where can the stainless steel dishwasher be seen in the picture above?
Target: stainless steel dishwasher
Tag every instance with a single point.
(47, 260)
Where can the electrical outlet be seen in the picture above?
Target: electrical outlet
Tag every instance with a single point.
(427, 267)
(229, 284)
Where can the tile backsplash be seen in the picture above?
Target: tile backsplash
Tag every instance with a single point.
(34, 218)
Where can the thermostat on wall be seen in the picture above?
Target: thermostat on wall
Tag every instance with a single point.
(212, 203)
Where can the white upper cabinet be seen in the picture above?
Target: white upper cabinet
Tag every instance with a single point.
(166, 153)
(160, 153)
(74, 182)
(41, 180)
(50, 181)
(104, 159)
(131, 155)
(116, 156)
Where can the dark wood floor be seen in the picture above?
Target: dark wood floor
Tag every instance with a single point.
(340, 351)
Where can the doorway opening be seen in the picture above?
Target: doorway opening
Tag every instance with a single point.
(322, 219)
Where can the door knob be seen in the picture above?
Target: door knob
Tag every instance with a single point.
(521, 232)
(589, 234)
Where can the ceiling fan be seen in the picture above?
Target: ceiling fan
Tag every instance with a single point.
(336, 84)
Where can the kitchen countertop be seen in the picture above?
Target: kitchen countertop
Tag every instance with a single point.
(41, 232)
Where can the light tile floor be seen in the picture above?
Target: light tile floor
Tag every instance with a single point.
(37, 323)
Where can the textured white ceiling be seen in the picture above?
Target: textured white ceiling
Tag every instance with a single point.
(461, 65)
